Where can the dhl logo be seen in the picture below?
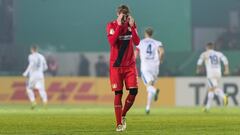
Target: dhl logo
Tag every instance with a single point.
(80, 90)
(59, 91)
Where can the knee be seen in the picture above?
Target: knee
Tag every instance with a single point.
(133, 91)
(151, 83)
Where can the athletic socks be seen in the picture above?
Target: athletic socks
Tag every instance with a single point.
(210, 99)
(30, 94)
(43, 95)
(128, 103)
(151, 92)
(149, 100)
(118, 108)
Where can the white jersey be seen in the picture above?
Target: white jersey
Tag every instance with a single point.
(36, 67)
(149, 55)
(212, 60)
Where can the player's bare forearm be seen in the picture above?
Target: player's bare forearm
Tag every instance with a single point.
(198, 70)
(161, 54)
(161, 58)
(226, 70)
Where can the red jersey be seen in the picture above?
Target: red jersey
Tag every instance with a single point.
(122, 39)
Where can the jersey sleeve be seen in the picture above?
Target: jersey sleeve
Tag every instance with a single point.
(135, 37)
(112, 33)
(30, 65)
(45, 67)
(159, 44)
(224, 59)
(200, 60)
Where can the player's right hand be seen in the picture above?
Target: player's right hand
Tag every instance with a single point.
(119, 19)
(24, 74)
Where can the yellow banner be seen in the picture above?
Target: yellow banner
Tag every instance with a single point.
(81, 90)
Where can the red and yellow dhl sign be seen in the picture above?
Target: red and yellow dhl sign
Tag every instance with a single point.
(79, 90)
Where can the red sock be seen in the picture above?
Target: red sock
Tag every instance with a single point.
(128, 103)
(118, 108)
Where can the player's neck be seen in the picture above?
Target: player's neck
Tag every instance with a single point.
(210, 49)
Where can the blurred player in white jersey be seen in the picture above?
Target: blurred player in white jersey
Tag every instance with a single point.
(212, 60)
(35, 73)
(151, 55)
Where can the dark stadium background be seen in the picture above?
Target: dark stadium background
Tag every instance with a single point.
(79, 27)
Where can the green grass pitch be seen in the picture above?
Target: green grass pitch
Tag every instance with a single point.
(84, 120)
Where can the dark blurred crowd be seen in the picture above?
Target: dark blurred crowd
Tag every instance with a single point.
(100, 67)
(52, 65)
(229, 40)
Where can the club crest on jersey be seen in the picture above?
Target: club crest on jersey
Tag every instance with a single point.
(111, 32)
(114, 86)
(129, 29)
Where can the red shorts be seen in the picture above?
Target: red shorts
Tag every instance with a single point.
(121, 75)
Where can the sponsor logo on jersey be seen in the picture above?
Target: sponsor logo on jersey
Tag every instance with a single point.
(126, 37)
(129, 29)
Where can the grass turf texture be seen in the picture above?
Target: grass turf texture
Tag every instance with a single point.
(79, 120)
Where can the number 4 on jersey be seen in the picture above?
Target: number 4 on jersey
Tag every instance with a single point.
(149, 49)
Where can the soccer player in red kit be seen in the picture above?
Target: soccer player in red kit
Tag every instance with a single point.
(122, 36)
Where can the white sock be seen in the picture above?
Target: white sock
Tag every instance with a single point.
(210, 99)
(149, 100)
(219, 92)
(30, 94)
(151, 92)
(43, 95)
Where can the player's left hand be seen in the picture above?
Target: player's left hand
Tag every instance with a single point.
(226, 72)
(198, 71)
(131, 21)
